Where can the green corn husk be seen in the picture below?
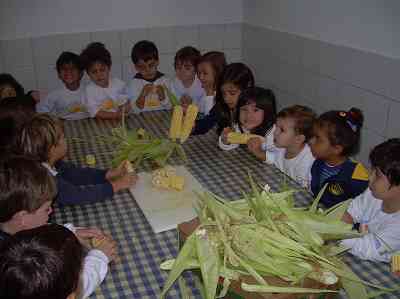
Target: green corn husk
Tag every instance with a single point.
(172, 97)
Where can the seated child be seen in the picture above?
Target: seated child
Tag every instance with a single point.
(53, 248)
(291, 153)
(186, 85)
(146, 88)
(377, 209)
(42, 137)
(10, 88)
(67, 102)
(336, 138)
(27, 191)
(255, 114)
(106, 97)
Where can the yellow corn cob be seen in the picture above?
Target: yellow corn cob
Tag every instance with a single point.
(107, 104)
(396, 263)
(97, 241)
(161, 182)
(176, 123)
(176, 182)
(239, 138)
(152, 102)
(188, 122)
(90, 160)
(75, 109)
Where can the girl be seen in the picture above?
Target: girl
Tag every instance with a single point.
(106, 97)
(336, 138)
(256, 114)
(11, 88)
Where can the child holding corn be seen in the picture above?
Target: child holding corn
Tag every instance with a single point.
(146, 89)
(290, 153)
(377, 209)
(106, 97)
(42, 137)
(255, 118)
(67, 102)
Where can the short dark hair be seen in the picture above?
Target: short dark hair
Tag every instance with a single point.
(95, 53)
(144, 50)
(343, 128)
(44, 262)
(386, 157)
(187, 54)
(8, 79)
(38, 135)
(303, 117)
(68, 58)
(25, 185)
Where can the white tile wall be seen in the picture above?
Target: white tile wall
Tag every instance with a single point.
(32, 61)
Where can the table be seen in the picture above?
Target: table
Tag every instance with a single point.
(141, 251)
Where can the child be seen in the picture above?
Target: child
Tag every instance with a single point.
(67, 102)
(53, 248)
(336, 138)
(43, 137)
(27, 191)
(10, 88)
(146, 89)
(255, 114)
(377, 210)
(106, 97)
(186, 85)
(291, 153)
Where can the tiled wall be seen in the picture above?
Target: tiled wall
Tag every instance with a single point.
(32, 61)
(325, 77)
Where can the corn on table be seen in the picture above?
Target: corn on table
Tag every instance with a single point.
(137, 274)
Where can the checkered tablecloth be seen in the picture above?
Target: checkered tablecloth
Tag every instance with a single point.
(137, 275)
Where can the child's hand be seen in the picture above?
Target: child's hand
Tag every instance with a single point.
(160, 92)
(148, 88)
(185, 102)
(116, 172)
(106, 245)
(125, 182)
(254, 145)
(85, 234)
(224, 135)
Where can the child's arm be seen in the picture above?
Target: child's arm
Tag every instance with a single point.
(254, 145)
(347, 218)
(117, 115)
(81, 175)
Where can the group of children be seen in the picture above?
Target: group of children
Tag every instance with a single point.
(313, 150)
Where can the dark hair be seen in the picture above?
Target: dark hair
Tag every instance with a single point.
(187, 54)
(25, 185)
(217, 61)
(7, 79)
(265, 100)
(343, 128)
(242, 77)
(386, 157)
(38, 135)
(44, 262)
(69, 58)
(95, 53)
(304, 118)
(144, 50)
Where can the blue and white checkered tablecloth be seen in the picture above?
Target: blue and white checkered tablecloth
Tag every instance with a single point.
(137, 275)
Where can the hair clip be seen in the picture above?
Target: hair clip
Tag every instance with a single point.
(342, 114)
(352, 126)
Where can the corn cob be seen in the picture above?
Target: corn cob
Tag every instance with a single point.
(176, 182)
(176, 123)
(239, 138)
(166, 178)
(90, 160)
(188, 122)
(96, 242)
(396, 263)
(76, 109)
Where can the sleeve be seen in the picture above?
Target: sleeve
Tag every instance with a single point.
(46, 105)
(359, 180)
(81, 175)
(207, 103)
(94, 270)
(357, 206)
(93, 102)
(226, 147)
(205, 124)
(134, 88)
(271, 155)
(122, 97)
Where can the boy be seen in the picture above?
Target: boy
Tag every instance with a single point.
(43, 137)
(186, 85)
(377, 210)
(290, 153)
(146, 89)
(68, 101)
(27, 191)
(60, 256)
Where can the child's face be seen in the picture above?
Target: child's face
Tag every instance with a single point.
(185, 71)
(7, 91)
(231, 94)
(69, 74)
(59, 151)
(148, 69)
(285, 133)
(206, 75)
(380, 186)
(99, 73)
(320, 145)
(39, 217)
(250, 116)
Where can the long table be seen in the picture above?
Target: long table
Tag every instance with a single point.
(141, 251)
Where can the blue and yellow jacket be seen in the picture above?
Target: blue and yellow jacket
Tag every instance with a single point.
(351, 181)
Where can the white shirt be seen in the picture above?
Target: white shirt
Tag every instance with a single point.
(382, 229)
(97, 97)
(298, 168)
(195, 91)
(94, 270)
(65, 104)
(152, 101)
(206, 103)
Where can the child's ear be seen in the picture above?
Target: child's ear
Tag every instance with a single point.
(338, 149)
